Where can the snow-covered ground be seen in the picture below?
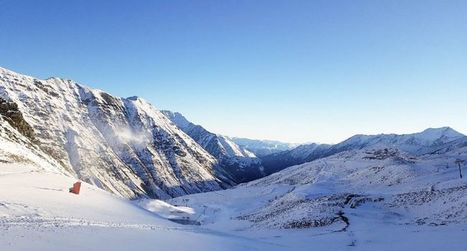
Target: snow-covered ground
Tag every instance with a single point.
(370, 199)
(38, 213)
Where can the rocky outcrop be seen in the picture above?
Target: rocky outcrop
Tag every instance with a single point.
(9, 111)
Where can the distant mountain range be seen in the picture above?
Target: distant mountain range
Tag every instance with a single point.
(429, 141)
(263, 147)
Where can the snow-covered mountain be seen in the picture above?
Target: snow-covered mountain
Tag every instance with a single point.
(423, 189)
(427, 141)
(263, 147)
(123, 145)
(235, 162)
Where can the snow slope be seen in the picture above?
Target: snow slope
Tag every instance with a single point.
(37, 213)
(123, 145)
(236, 163)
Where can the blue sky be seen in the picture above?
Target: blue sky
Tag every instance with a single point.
(291, 70)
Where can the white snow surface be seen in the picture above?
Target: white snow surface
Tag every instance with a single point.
(38, 213)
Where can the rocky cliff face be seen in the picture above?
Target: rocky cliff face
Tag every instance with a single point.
(123, 145)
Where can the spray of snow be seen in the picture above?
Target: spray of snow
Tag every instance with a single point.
(138, 139)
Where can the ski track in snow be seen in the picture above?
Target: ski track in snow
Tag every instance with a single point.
(57, 222)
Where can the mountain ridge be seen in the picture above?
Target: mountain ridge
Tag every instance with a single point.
(426, 141)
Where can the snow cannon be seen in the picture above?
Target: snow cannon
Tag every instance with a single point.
(76, 187)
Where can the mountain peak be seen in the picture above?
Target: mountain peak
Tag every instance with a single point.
(133, 98)
(436, 133)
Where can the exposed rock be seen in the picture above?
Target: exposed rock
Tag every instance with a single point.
(9, 111)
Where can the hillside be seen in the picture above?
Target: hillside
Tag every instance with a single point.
(371, 199)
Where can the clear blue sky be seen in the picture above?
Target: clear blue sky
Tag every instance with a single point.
(289, 70)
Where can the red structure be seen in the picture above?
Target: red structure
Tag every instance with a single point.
(76, 187)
